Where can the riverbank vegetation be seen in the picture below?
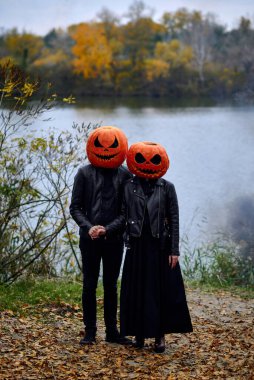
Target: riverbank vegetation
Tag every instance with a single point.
(37, 169)
(185, 54)
(220, 264)
(30, 294)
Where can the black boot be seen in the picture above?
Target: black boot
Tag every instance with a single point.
(113, 336)
(89, 338)
(159, 345)
(139, 342)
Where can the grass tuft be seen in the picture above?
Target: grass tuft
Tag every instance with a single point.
(18, 296)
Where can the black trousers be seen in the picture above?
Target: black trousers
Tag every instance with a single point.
(110, 252)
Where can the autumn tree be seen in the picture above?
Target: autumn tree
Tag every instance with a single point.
(174, 52)
(176, 23)
(57, 49)
(92, 51)
(25, 48)
(111, 26)
(169, 58)
(139, 36)
(140, 33)
(195, 30)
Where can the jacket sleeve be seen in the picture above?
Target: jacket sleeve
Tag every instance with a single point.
(173, 215)
(77, 206)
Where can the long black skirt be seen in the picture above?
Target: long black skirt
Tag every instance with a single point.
(153, 300)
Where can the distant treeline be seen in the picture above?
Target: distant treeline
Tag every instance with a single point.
(185, 54)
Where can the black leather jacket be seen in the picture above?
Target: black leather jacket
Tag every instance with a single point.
(162, 208)
(85, 207)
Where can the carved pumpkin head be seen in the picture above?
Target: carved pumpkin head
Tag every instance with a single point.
(107, 147)
(147, 160)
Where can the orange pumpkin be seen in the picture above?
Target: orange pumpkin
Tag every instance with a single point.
(107, 147)
(147, 159)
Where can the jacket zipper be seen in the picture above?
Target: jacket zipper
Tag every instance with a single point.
(158, 231)
(144, 216)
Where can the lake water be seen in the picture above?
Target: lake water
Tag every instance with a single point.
(211, 149)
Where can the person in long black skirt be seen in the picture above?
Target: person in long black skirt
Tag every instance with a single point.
(153, 301)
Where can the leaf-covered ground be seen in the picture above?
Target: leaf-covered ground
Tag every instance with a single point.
(43, 344)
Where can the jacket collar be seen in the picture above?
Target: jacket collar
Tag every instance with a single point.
(135, 181)
(137, 188)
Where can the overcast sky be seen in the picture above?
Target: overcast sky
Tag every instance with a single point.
(39, 16)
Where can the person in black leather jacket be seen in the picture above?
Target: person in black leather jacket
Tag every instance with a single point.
(162, 206)
(96, 201)
(153, 301)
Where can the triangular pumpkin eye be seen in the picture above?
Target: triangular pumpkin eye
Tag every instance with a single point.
(139, 158)
(97, 143)
(156, 160)
(115, 144)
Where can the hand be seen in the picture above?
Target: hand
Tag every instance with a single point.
(173, 260)
(96, 231)
(101, 231)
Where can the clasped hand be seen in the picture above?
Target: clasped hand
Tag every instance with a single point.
(96, 231)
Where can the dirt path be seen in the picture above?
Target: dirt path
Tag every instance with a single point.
(44, 345)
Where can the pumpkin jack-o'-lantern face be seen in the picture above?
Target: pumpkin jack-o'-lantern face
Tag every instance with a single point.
(107, 147)
(147, 160)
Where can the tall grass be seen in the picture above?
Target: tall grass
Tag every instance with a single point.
(218, 264)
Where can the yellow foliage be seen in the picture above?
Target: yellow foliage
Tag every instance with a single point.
(92, 51)
(15, 86)
(187, 55)
(28, 89)
(18, 43)
(70, 100)
(228, 76)
(7, 59)
(174, 45)
(8, 88)
(156, 68)
(51, 59)
(180, 20)
(174, 53)
(116, 46)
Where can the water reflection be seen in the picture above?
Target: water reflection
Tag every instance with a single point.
(141, 102)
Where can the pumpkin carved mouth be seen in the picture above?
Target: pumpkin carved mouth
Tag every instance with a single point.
(148, 171)
(103, 157)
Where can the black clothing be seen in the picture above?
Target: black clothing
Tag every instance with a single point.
(87, 195)
(96, 199)
(89, 338)
(92, 252)
(162, 207)
(153, 300)
(107, 199)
